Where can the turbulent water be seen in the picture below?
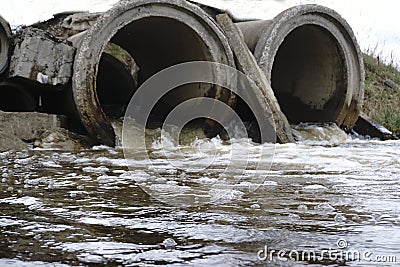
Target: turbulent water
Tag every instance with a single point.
(330, 191)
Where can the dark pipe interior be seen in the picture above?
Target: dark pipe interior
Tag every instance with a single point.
(154, 43)
(115, 86)
(14, 98)
(157, 43)
(309, 75)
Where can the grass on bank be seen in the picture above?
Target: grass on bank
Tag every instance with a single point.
(381, 102)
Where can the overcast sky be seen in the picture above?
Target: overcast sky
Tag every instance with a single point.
(375, 23)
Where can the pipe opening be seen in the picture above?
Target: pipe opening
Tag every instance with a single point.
(154, 43)
(15, 99)
(309, 75)
(116, 80)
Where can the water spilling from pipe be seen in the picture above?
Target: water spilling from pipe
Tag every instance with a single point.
(59, 207)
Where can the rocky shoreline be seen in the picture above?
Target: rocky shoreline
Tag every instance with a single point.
(23, 130)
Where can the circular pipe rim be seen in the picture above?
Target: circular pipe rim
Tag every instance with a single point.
(87, 59)
(5, 42)
(287, 21)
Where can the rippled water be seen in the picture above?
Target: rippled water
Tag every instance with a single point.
(64, 208)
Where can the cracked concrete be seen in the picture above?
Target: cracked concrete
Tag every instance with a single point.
(40, 57)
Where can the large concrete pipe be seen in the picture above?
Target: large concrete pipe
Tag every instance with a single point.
(312, 59)
(157, 34)
(5, 41)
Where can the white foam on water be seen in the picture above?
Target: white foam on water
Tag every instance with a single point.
(320, 134)
(26, 200)
(100, 169)
(50, 164)
(15, 262)
(107, 179)
(314, 187)
(321, 149)
(325, 207)
(7, 222)
(222, 196)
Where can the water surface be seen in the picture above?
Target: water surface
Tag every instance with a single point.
(84, 208)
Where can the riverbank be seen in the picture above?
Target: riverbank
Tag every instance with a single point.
(382, 93)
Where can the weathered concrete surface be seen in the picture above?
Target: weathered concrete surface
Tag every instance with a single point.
(312, 59)
(367, 127)
(29, 126)
(60, 138)
(248, 65)
(5, 42)
(117, 69)
(124, 57)
(67, 24)
(166, 33)
(11, 142)
(41, 57)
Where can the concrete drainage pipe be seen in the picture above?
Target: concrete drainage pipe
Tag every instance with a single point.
(5, 39)
(157, 34)
(312, 59)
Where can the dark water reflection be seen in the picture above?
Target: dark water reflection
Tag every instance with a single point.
(63, 208)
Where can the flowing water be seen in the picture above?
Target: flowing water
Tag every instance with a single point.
(329, 192)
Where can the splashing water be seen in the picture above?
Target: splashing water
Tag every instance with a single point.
(67, 208)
